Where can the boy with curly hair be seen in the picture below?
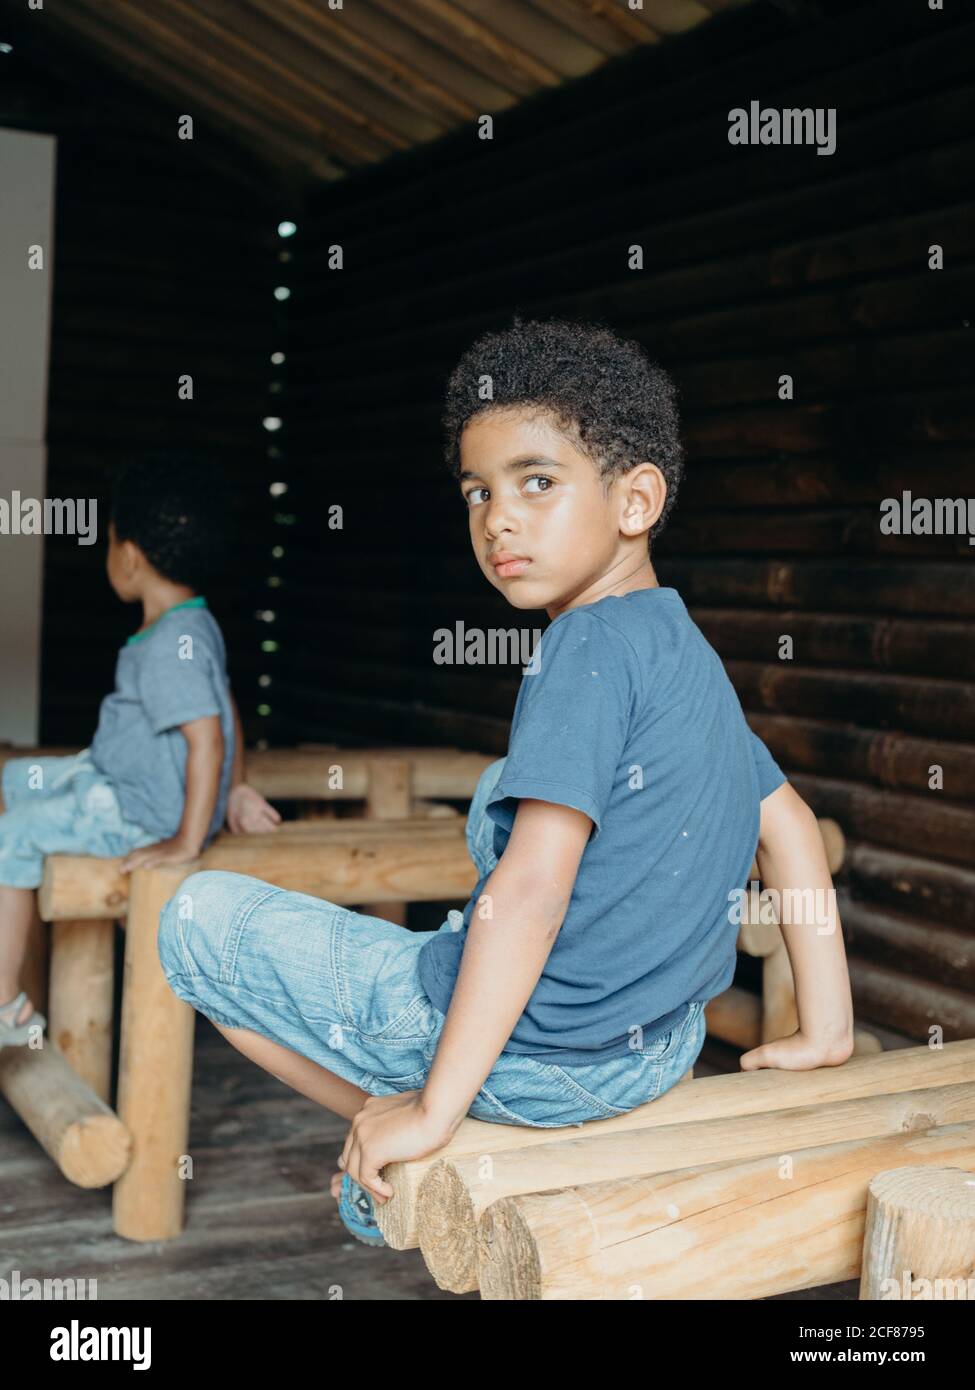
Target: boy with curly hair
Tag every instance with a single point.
(610, 841)
(155, 782)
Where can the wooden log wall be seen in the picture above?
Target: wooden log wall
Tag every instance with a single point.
(165, 261)
(759, 261)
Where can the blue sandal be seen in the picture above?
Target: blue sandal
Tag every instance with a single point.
(19, 1034)
(358, 1214)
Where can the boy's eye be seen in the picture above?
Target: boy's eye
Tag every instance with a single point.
(538, 478)
(470, 498)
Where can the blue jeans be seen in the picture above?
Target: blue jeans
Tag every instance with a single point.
(342, 988)
(59, 806)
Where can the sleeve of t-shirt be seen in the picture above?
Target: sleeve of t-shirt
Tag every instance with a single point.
(770, 775)
(572, 720)
(177, 676)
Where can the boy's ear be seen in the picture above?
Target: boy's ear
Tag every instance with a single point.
(643, 498)
(133, 557)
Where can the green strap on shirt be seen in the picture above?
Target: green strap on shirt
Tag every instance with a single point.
(198, 602)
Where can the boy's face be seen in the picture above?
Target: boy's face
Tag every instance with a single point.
(532, 495)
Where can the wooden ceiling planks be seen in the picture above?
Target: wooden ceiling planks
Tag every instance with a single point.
(211, 57)
(254, 126)
(506, 42)
(316, 91)
(416, 77)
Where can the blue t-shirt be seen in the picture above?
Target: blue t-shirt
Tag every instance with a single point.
(173, 672)
(632, 719)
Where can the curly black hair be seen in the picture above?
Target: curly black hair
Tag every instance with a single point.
(174, 505)
(601, 390)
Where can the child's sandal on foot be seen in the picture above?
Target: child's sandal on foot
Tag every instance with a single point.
(357, 1213)
(19, 1034)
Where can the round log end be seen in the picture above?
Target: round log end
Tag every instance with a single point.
(447, 1228)
(396, 1218)
(94, 1150)
(948, 1194)
(919, 1234)
(507, 1255)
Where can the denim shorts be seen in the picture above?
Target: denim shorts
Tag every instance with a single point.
(59, 806)
(343, 989)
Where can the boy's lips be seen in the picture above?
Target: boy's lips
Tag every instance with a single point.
(506, 565)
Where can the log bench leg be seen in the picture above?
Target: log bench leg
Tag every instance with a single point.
(81, 998)
(155, 1070)
(72, 1125)
(919, 1235)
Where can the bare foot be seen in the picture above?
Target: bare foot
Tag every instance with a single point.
(6, 1012)
(335, 1187)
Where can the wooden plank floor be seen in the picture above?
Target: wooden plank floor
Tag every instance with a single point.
(260, 1221)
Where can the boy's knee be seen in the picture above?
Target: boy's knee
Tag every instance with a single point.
(194, 922)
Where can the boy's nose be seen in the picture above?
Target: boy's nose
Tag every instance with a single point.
(498, 521)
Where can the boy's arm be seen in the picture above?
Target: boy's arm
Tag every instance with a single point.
(527, 895)
(247, 811)
(791, 861)
(204, 760)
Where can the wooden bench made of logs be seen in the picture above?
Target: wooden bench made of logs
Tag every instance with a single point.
(408, 857)
(687, 1196)
(370, 863)
(415, 860)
